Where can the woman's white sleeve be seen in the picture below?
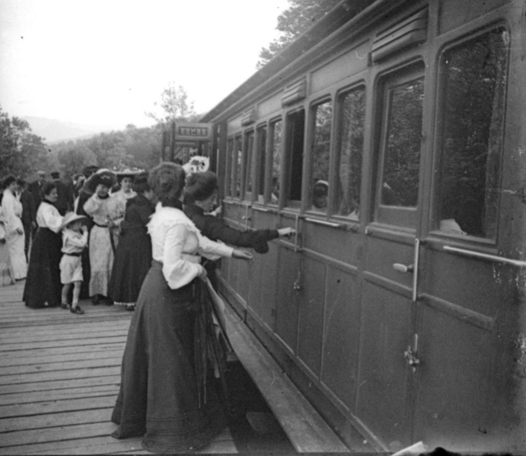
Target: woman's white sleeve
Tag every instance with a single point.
(91, 206)
(177, 271)
(52, 218)
(12, 221)
(211, 249)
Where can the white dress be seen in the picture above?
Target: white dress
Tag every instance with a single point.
(102, 242)
(12, 209)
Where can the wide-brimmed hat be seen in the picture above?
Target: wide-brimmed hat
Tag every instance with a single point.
(71, 217)
(128, 172)
(102, 176)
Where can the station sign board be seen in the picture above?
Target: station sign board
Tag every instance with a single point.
(193, 131)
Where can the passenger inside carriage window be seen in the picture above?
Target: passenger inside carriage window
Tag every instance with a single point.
(320, 193)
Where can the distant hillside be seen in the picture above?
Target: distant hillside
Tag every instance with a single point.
(57, 130)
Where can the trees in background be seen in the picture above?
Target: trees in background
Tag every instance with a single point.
(297, 19)
(21, 152)
(174, 105)
(301, 15)
(130, 148)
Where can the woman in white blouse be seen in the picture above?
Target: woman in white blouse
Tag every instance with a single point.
(43, 287)
(166, 394)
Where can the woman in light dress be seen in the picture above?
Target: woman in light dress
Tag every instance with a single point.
(7, 276)
(15, 238)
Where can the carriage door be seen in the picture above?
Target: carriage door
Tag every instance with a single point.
(466, 285)
(388, 340)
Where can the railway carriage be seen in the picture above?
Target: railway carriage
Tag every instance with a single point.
(393, 139)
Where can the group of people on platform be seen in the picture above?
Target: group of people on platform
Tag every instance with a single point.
(152, 245)
(19, 203)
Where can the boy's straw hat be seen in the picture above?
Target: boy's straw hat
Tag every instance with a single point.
(71, 217)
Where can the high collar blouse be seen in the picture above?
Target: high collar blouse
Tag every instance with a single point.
(49, 217)
(176, 242)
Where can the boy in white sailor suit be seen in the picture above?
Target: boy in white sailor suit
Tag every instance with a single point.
(74, 240)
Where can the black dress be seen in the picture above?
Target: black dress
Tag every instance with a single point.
(43, 275)
(134, 252)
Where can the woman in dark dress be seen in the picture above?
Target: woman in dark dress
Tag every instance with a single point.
(166, 392)
(133, 256)
(200, 195)
(43, 287)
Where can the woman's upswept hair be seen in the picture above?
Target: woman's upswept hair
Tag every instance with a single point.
(200, 186)
(167, 182)
(140, 183)
(8, 181)
(48, 187)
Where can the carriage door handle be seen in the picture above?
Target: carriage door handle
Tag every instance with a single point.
(246, 217)
(405, 268)
(410, 355)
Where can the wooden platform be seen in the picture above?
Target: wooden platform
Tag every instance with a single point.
(59, 378)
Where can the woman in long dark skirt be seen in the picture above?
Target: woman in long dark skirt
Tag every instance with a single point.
(165, 394)
(43, 287)
(133, 256)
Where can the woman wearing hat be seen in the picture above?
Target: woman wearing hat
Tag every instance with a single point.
(104, 209)
(43, 287)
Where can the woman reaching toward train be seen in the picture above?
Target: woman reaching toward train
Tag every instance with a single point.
(200, 196)
(164, 393)
(43, 287)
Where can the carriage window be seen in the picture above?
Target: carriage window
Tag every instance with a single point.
(228, 168)
(247, 163)
(403, 101)
(473, 86)
(275, 149)
(236, 167)
(262, 161)
(320, 153)
(294, 151)
(348, 173)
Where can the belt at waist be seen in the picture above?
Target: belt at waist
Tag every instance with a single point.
(100, 226)
(75, 254)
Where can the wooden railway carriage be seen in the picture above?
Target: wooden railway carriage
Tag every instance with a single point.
(394, 140)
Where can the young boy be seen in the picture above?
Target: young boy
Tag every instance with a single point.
(74, 240)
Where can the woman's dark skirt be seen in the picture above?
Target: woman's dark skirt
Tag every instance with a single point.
(43, 275)
(162, 395)
(132, 262)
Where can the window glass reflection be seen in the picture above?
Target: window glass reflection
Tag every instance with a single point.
(262, 161)
(349, 170)
(402, 140)
(275, 149)
(247, 167)
(320, 154)
(472, 90)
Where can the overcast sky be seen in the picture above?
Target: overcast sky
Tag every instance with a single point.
(105, 62)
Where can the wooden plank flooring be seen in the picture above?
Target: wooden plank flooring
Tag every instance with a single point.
(59, 378)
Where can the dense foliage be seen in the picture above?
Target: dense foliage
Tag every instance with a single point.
(21, 151)
(131, 148)
(297, 19)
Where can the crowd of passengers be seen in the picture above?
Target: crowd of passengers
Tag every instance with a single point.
(149, 241)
